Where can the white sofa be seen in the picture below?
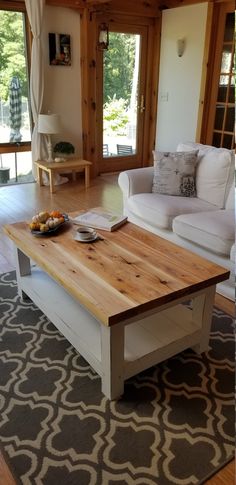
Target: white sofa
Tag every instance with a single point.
(203, 224)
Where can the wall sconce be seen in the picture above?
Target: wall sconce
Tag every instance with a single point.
(103, 37)
(180, 47)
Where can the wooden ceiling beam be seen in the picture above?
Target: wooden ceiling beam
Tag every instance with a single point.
(118, 5)
(165, 4)
(147, 4)
(96, 2)
(144, 8)
(78, 4)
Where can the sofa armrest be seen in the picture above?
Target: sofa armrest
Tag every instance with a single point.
(136, 181)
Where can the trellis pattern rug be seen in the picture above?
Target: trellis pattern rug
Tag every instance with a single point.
(174, 424)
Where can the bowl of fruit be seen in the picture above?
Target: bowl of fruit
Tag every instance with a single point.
(45, 223)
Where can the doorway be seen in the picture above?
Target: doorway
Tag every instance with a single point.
(122, 80)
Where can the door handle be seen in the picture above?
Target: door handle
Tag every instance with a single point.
(142, 104)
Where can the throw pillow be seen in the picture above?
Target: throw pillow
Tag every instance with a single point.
(174, 173)
(214, 173)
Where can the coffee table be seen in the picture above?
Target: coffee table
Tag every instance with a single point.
(71, 165)
(118, 300)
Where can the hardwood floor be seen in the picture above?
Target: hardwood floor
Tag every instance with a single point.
(6, 477)
(21, 202)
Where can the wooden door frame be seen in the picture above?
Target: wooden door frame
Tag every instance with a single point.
(90, 95)
(214, 65)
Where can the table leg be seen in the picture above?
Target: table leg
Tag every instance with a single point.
(202, 314)
(74, 175)
(112, 342)
(23, 268)
(51, 181)
(87, 176)
(40, 175)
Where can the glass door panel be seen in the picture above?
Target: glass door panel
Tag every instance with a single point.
(219, 112)
(223, 128)
(121, 92)
(121, 64)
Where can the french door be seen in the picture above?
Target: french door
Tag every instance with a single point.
(220, 118)
(121, 95)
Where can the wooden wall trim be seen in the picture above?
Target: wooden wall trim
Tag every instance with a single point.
(88, 84)
(150, 125)
(205, 63)
(18, 6)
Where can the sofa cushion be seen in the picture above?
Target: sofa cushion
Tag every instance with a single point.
(213, 230)
(214, 172)
(230, 202)
(159, 210)
(174, 173)
(232, 253)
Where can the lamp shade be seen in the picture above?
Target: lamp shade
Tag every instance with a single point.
(49, 124)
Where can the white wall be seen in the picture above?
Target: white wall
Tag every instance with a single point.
(180, 77)
(62, 89)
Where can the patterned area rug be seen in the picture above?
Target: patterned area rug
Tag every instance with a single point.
(174, 424)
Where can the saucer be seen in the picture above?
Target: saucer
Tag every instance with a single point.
(87, 240)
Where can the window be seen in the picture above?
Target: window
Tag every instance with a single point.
(15, 122)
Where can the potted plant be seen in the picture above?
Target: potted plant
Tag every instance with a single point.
(64, 149)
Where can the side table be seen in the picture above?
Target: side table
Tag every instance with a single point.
(71, 165)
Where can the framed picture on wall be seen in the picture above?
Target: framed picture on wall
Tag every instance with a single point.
(59, 49)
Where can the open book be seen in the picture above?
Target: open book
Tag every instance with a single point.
(100, 218)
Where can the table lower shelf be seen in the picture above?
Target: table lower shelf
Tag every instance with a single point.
(147, 341)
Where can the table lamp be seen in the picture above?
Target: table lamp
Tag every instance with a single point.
(48, 125)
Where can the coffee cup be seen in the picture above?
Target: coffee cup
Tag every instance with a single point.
(84, 233)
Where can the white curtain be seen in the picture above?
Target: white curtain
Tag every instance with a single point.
(35, 10)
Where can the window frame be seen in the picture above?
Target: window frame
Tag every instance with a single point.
(19, 6)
